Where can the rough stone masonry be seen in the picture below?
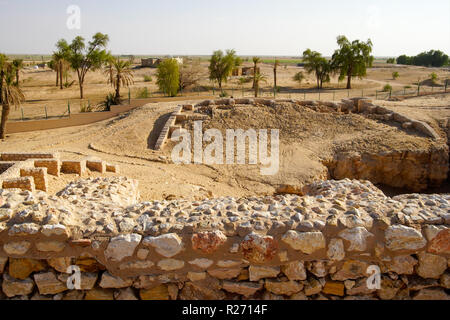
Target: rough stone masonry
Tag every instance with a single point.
(317, 246)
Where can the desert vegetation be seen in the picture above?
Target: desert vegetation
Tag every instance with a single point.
(432, 58)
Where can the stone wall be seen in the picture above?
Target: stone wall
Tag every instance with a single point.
(362, 106)
(415, 170)
(324, 245)
(28, 171)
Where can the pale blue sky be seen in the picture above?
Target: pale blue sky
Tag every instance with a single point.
(251, 27)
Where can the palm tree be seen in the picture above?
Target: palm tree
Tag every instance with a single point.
(2, 73)
(11, 95)
(256, 60)
(258, 77)
(58, 58)
(275, 67)
(119, 74)
(18, 65)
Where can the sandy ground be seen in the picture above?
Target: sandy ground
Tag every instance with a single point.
(306, 138)
(41, 92)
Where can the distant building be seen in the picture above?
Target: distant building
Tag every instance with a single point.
(150, 62)
(154, 62)
(248, 71)
(179, 60)
(236, 72)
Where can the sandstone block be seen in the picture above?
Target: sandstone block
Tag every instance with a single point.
(73, 166)
(157, 293)
(283, 287)
(47, 283)
(307, 242)
(431, 266)
(96, 165)
(259, 249)
(208, 241)
(167, 245)
(294, 270)
(52, 165)
(260, 272)
(23, 183)
(399, 237)
(334, 288)
(170, 264)
(22, 268)
(39, 177)
(14, 287)
(122, 246)
(110, 281)
(357, 237)
(16, 248)
(99, 294)
(244, 288)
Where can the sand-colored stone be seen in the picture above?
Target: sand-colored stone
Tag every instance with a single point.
(157, 293)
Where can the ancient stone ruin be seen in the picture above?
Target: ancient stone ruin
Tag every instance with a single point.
(327, 244)
(28, 171)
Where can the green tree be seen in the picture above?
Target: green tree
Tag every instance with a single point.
(168, 77)
(315, 63)
(18, 65)
(352, 58)
(395, 75)
(10, 95)
(84, 58)
(404, 59)
(221, 66)
(432, 58)
(299, 77)
(119, 75)
(258, 77)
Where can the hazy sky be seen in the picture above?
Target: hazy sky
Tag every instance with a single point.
(251, 27)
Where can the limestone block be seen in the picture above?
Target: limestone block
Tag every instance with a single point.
(96, 165)
(52, 165)
(24, 183)
(73, 166)
(39, 175)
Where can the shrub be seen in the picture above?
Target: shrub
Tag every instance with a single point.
(143, 93)
(395, 75)
(299, 77)
(85, 108)
(223, 94)
(387, 87)
(148, 78)
(109, 101)
(433, 77)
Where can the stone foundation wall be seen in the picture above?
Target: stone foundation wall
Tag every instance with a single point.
(96, 165)
(37, 165)
(73, 166)
(335, 242)
(52, 165)
(363, 106)
(9, 156)
(39, 177)
(24, 183)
